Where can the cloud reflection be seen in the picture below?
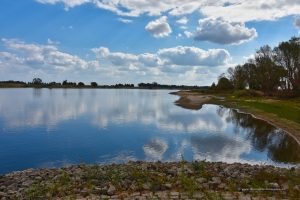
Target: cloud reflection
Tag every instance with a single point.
(104, 107)
(155, 149)
(213, 133)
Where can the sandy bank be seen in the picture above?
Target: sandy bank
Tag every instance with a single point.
(191, 100)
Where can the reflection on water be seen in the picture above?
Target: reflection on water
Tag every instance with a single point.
(42, 127)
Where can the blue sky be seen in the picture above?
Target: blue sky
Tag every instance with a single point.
(182, 42)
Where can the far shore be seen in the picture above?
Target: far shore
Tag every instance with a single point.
(195, 100)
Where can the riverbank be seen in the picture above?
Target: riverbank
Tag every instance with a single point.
(282, 113)
(148, 180)
(191, 100)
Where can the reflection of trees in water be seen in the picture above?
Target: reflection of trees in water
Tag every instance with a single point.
(264, 137)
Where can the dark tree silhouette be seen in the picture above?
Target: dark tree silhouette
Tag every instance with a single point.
(94, 84)
(37, 81)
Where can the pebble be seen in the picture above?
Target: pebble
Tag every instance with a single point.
(111, 190)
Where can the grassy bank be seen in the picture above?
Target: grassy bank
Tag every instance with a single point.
(283, 113)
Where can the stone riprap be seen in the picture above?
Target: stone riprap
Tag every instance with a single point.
(154, 180)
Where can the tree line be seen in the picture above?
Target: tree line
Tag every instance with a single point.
(274, 71)
(38, 83)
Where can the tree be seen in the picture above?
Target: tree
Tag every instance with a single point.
(288, 56)
(94, 84)
(37, 81)
(65, 82)
(269, 74)
(81, 84)
(224, 83)
(251, 74)
(213, 86)
(237, 77)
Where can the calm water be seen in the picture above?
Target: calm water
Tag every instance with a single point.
(50, 128)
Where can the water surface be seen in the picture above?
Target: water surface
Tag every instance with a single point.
(57, 127)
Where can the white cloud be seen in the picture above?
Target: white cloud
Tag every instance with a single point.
(177, 65)
(125, 21)
(67, 3)
(159, 28)
(179, 56)
(23, 61)
(223, 32)
(47, 56)
(244, 11)
(235, 10)
(183, 21)
(193, 56)
(116, 58)
(188, 34)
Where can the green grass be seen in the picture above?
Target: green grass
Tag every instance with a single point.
(287, 109)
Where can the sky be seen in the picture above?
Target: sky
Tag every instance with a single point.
(188, 42)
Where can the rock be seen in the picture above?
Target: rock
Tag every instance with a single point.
(201, 180)
(172, 171)
(274, 185)
(111, 190)
(216, 180)
(168, 185)
(174, 193)
(297, 187)
(146, 186)
(222, 186)
(2, 194)
(84, 192)
(135, 194)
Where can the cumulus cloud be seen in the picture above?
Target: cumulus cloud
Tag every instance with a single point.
(177, 65)
(116, 58)
(193, 56)
(48, 56)
(241, 11)
(23, 61)
(258, 10)
(223, 32)
(159, 28)
(179, 56)
(67, 3)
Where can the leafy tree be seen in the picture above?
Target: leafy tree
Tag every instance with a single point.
(224, 83)
(81, 84)
(213, 86)
(94, 84)
(237, 77)
(269, 74)
(288, 56)
(37, 81)
(65, 82)
(251, 74)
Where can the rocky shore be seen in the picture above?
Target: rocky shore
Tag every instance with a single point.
(149, 180)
